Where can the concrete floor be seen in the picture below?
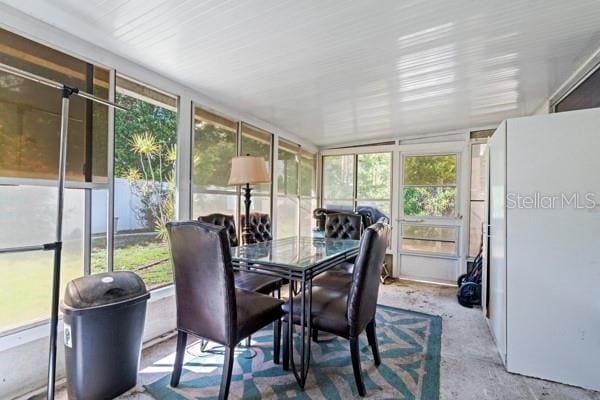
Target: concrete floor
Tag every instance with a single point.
(471, 368)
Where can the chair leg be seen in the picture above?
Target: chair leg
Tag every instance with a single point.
(227, 368)
(203, 345)
(315, 335)
(180, 353)
(286, 347)
(276, 340)
(372, 336)
(355, 354)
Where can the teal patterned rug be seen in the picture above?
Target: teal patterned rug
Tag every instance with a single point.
(409, 344)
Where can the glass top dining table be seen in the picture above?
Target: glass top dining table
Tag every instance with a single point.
(299, 253)
(299, 260)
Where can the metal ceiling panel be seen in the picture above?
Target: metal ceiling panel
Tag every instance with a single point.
(337, 71)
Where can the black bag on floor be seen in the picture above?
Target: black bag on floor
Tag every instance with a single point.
(469, 285)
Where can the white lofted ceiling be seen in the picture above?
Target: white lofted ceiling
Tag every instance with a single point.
(337, 71)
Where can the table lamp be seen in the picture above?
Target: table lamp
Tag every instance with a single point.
(247, 170)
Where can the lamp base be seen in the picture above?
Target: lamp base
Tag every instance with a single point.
(247, 237)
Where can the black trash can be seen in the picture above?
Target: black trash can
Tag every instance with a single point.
(104, 318)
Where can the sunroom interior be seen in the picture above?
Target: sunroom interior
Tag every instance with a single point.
(439, 117)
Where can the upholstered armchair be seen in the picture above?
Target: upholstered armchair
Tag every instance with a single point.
(343, 226)
(243, 279)
(260, 227)
(209, 306)
(226, 221)
(320, 215)
(347, 311)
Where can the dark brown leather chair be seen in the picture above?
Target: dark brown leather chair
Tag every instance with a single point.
(260, 227)
(243, 279)
(320, 215)
(340, 226)
(348, 312)
(209, 306)
(343, 226)
(227, 221)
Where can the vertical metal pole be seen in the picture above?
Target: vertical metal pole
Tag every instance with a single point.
(64, 126)
(87, 231)
(88, 171)
(355, 184)
(303, 330)
(238, 189)
(110, 223)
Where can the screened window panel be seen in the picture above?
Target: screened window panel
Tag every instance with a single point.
(429, 246)
(308, 192)
(287, 216)
(430, 201)
(209, 203)
(585, 95)
(384, 205)
(478, 171)
(374, 176)
(99, 231)
(214, 145)
(429, 239)
(475, 231)
(430, 185)
(145, 160)
(338, 177)
(288, 202)
(478, 194)
(25, 284)
(339, 204)
(308, 168)
(307, 222)
(437, 170)
(287, 168)
(428, 232)
(30, 114)
(260, 203)
(257, 143)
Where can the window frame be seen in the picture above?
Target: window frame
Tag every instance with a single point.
(235, 191)
(352, 199)
(591, 67)
(355, 153)
(357, 199)
(86, 185)
(112, 136)
(300, 153)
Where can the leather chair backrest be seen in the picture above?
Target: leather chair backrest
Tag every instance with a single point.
(367, 217)
(320, 215)
(343, 226)
(260, 227)
(204, 286)
(223, 220)
(362, 299)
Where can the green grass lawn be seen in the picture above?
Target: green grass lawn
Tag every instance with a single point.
(26, 277)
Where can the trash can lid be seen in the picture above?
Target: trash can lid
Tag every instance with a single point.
(104, 288)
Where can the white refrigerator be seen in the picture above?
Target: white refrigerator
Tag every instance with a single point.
(542, 270)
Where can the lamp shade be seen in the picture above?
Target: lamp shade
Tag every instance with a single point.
(247, 169)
